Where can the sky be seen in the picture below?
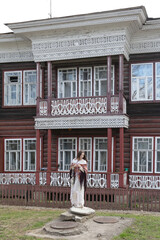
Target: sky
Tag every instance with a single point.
(26, 10)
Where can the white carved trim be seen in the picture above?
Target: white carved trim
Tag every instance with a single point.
(145, 182)
(79, 106)
(114, 180)
(96, 180)
(42, 178)
(17, 178)
(22, 56)
(93, 180)
(118, 121)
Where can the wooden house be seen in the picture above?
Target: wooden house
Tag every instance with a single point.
(89, 82)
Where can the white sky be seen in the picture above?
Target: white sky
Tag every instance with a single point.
(25, 10)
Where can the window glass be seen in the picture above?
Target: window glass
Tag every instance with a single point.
(85, 79)
(30, 78)
(158, 81)
(142, 82)
(142, 155)
(85, 144)
(100, 162)
(67, 152)
(13, 88)
(157, 155)
(67, 83)
(29, 154)
(100, 80)
(12, 155)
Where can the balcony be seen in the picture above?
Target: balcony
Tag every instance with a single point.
(86, 112)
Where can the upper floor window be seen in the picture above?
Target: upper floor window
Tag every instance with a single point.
(85, 82)
(100, 80)
(67, 83)
(143, 81)
(20, 88)
(157, 81)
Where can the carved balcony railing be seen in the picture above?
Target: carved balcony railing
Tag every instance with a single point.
(18, 178)
(144, 182)
(79, 106)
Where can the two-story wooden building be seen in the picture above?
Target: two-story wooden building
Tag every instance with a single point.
(89, 82)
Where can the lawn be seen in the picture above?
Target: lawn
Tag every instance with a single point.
(15, 221)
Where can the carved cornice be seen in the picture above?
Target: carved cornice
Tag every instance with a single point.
(22, 56)
(118, 121)
(145, 46)
(72, 48)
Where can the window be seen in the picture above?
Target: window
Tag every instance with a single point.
(67, 152)
(12, 88)
(29, 96)
(85, 144)
(13, 150)
(100, 81)
(15, 160)
(20, 88)
(142, 154)
(142, 82)
(157, 155)
(100, 154)
(85, 82)
(67, 83)
(158, 81)
(29, 154)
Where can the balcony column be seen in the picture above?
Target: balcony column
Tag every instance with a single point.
(49, 155)
(38, 86)
(37, 155)
(109, 62)
(109, 156)
(49, 65)
(121, 77)
(121, 136)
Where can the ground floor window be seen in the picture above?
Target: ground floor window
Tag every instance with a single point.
(96, 155)
(29, 154)
(13, 153)
(146, 154)
(20, 154)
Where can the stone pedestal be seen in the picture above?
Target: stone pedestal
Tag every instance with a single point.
(78, 214)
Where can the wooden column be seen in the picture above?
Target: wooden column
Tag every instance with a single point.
(38, 86)
(109, 62)
(121, 135)
(109, 150)
(49, 64)
(49, 156)
(37, 155)
(121, 77)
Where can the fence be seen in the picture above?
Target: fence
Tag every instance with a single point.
(100, 198)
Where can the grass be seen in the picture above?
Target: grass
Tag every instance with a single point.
(145, 227)
(16, 221)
